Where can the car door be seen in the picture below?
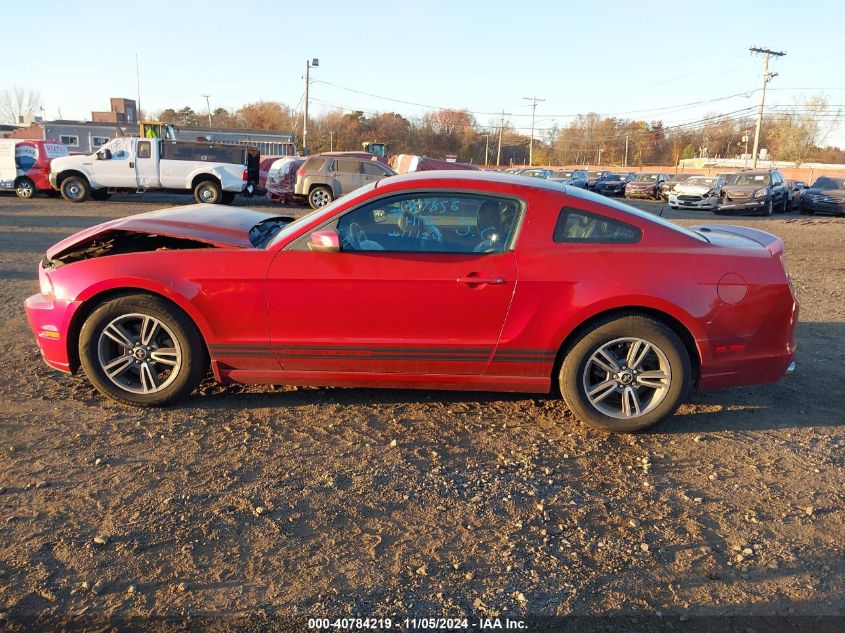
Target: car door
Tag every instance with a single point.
(119, 169)
(347, 173)
(371, 172)
(421, 285)
(146, 165)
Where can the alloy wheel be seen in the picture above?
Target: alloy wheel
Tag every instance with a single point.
(626, 378)
(25, 189)
(139, 353)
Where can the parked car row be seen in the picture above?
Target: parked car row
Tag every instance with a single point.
(750, 191)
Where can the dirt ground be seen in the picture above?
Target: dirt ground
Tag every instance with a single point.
(257, 504)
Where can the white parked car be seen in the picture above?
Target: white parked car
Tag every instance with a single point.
(697, 192)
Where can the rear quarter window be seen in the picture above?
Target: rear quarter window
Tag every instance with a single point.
(582, 227)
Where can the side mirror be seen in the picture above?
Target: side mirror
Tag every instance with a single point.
(104, 154)
(324, 241)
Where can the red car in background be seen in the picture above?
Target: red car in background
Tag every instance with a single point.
(439, 280)
(25, 165)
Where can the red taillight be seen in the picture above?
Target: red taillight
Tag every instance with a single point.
(300, 172)
(246, 175)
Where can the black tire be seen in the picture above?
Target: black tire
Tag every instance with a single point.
(208, 192)
(769, 209)
(25, 188)
(177, 329)
(787, 204)
(576, 366)
(75, 189)
(320, 196)
(100, 195)
(228, 197)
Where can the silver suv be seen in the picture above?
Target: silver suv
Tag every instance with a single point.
(325, 177)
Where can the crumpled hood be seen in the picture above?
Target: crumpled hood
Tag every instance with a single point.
(214, 224)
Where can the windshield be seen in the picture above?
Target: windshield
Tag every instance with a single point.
(748, 179)
(646, 178)
(828, 183)
(701, 180)
(563, 174)
(594, 174)
(614, 177)
(678, 177)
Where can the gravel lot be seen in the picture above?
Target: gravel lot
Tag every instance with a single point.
(250, 504)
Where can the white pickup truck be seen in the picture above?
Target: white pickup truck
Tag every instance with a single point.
(213, 172)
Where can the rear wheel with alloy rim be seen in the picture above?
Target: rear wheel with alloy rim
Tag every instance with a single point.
(139, 350)
(25, 188)
(320, 197)
(625, 374)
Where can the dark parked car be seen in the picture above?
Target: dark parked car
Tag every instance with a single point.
(796, 195)
(610, 185)
(594, 176)
(826, 195)
(645, 186)
(571, 177)
(754, 191)
(670, 184)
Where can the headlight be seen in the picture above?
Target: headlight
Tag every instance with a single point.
(761, 193)
(44, 283)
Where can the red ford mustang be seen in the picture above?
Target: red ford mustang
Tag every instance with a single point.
(433, 280)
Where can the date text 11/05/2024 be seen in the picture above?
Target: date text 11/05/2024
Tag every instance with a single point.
(414, 624)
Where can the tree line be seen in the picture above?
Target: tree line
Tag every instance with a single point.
(797, 134)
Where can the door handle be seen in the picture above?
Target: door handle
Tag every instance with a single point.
(131, 165)
(474, 279)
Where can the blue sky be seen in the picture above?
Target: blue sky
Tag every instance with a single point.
(626, 58)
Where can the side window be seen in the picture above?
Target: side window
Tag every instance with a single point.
(71, 141)
(347, 166)
(144, 149)
(372, 169)
(431, 222)
(575, 225)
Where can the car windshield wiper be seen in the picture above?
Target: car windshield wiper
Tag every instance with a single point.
(261, 234)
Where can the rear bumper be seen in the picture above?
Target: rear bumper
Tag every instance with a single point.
(50, 322)
(767, 356)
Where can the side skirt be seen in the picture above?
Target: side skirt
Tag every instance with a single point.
(514, 384)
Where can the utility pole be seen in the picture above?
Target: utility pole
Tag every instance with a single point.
(767, 77)
(601, 147)
(309, 64)
(499, 151)
(626, 151)
(331, 141)
(486, 148)
(138, 87)
(534, 101)
(208, 105)
(745, 138)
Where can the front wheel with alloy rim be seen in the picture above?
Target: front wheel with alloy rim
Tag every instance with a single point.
(770, 208)
(320, 197)
(25, 188)
(75, 189)
(625, 374)
(208, 191)
(142, 351)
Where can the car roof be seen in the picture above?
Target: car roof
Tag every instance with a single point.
(472, 176)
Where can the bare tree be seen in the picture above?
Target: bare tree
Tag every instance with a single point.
(796, 134)
(18, 103)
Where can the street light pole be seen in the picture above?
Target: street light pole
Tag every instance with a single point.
(208, 105)
(309, 64)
